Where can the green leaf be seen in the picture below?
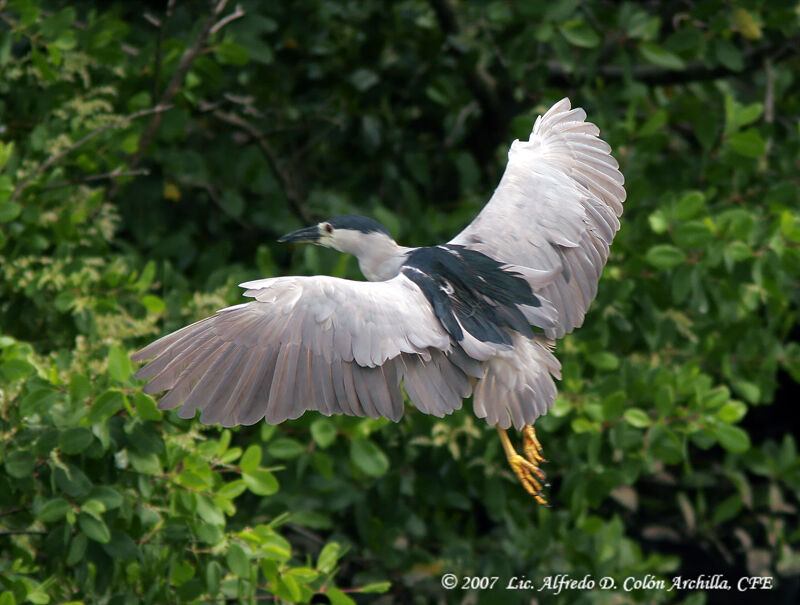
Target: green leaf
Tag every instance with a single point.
(323, 432)
(153, 304)
(231, 53)
(79, 388)
(14, 369)
(637, 418)
(232, 203)
(77, 549)
(277, 547)
(303, 575)
(146, 407)
(376, 587)
(749, 390)
(657, 55)
(603, 360)
(121, 546)
(363, 79)
(727, 54)
(251, 459)
(658, 222)
(94, 528)
(210, 533)
(232, 489)
(748, 142)
(72, 481)
(328, 557)
(182, 571)
(368, 458)
(208, 511)
(119, 365)
(9, 211)
(145, 463)
(261, 482)
(237, 561)
(37, 402)
(105, 406)
(666, 445)
(665, 256)
(584, 425)
(109, 496)
(37, 597)
(715, 397)
(75, 440)
(727, 509)
(732, 438)
(579, 33)
(213, 577)
(192, 480)
(692, 234)
(732, 411)
(744, 115)
(53, 510)
(690, 205)
(20, 464)
(654, 124)
(285, 448)
(337, 597)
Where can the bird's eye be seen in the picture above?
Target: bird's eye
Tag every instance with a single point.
(328, 228)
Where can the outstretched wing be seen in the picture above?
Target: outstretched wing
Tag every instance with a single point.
(310, 343)
(554, 213)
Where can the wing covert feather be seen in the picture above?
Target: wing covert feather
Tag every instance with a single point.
(304, 343)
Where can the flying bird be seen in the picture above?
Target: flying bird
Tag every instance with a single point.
(477, 316)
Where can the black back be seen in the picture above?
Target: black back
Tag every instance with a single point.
(473, 287)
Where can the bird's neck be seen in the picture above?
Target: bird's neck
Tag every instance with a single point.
(380, 258)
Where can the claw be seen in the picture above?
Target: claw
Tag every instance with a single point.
(531, 446)
(526, 468)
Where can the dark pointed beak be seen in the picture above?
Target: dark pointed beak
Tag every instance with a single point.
(309, 235)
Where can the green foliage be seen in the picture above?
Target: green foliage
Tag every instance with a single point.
(147, 165)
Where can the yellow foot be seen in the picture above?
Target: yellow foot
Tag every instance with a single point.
(531, 446)
(526, 468)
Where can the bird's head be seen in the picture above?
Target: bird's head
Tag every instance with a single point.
(346, 233)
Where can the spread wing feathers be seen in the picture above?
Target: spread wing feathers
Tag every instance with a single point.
(438, 386)
(518, 385)
(311, 343)
(554, 213)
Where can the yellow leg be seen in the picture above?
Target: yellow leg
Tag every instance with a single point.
(526, 468)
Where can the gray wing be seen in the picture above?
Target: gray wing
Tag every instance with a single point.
(554, 213)
(310, 343)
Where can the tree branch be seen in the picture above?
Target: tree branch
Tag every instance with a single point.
(57, 157)
(493, 97)
(99, 177)
(175, 82)
(287, 182)
(22, 532)
(159, 44)
(480, 83)
(236, 14)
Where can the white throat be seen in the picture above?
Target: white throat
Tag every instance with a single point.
(379, 256)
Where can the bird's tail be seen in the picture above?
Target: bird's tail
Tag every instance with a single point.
(518, 385)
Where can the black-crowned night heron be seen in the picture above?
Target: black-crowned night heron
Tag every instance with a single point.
(446, 321)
